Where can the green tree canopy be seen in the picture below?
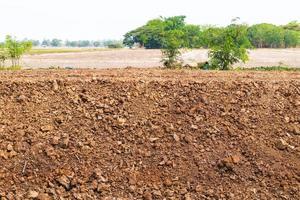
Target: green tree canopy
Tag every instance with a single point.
(153, 34)
(293, 25)
(272, 36)
(231, 47)
(56, 42)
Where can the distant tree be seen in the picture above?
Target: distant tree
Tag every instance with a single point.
(169, 34)
(269, 36)
(96, 43)
(291, 38)
(148, 36)
(72, 44)
(151, 35)
(192, 34)
(231, 47)
(210, 35)
(129, 39)
(46, 43)
(35, 43)
(292, 34)
(15, 49)
(113, 44)
(83, 43)
(56, 42)
(293, 25)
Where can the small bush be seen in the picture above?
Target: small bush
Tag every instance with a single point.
(115, 46)
(15, 49)
(204, 66)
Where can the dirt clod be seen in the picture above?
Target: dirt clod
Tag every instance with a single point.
(176, 137)
(147, 196)
(32, 194)
(64, 181)
(46, 128)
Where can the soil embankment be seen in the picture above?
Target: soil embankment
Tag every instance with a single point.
(149, 134)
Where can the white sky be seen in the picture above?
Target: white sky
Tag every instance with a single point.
(96, 19)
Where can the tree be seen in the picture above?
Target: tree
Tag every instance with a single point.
(3, 55)
(231, 47)
(46, 43)
(293, 25)
(83, 43)
(173, 41)
(210, 35)
(291, 38)
(272, 36)
(96, 43)
(15, 49)
(148, 36)
(71, 43)
(174, 38)
(169, 34)
(113, 44)
(35, 43)
(192, 34)
(56, 42)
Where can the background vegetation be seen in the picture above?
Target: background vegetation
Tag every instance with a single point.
(78, 43)
(228, 45)
(151, 35)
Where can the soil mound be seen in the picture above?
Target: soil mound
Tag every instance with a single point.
(149, 134)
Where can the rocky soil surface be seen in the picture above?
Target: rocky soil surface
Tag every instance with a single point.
(149, 134)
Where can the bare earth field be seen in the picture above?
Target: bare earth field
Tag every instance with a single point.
(124, 134)
(151, 58)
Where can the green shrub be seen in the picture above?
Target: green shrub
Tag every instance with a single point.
(230, 48)
(203, 65)
(15, 49)
(115, 46)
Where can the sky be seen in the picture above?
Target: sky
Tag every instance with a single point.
(111, 19)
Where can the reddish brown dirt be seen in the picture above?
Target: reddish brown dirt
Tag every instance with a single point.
(149, 134)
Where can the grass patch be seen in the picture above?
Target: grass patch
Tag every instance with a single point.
(273, 68)
(12, 68)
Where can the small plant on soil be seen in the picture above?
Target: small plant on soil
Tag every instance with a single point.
(230, 47)
(15, 49)
(3, 55)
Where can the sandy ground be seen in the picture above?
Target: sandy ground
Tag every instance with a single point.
(151, 58)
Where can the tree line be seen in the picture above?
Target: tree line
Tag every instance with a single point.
(264, 35)
(77, 43)
(227, 45)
